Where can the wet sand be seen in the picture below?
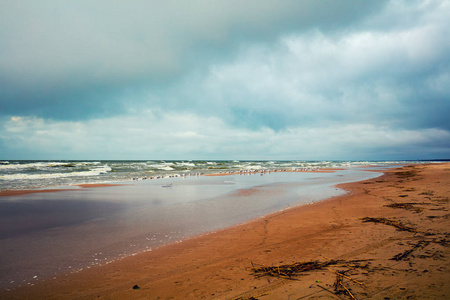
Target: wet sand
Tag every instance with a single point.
(218, 265)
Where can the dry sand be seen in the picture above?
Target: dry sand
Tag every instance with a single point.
(218, 265)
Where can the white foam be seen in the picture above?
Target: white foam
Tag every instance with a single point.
(166, 168)
(44, 165)
(253, 167)
(93, 172)
(186, 164)
(162, 166)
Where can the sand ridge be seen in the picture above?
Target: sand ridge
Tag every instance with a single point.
(218, 265)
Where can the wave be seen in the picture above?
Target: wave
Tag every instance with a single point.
(44, 165)
(36, 174)
(93, 172)
(186, 164)
(166, 168)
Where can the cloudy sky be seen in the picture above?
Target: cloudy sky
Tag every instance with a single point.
(201, 79)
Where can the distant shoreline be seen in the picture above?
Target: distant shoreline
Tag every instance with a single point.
(9, 193)
(31, 175)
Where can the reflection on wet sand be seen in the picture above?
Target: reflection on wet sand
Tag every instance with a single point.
(46, 234)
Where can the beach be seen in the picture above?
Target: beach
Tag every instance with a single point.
(386, 239)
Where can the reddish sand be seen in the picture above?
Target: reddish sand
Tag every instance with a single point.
(218, 265)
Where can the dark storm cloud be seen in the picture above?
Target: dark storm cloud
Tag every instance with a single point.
(71, 59)
(397, 78)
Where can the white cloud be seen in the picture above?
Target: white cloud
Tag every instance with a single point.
(309, 78)
(185, 136)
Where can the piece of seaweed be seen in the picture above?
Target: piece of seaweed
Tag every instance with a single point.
(407, 206)
(400, 226)
(295, 269)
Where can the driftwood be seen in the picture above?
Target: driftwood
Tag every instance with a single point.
(341, 273)
(340, 288)
(400, 226)
(289, 271)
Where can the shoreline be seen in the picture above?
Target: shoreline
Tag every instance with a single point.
(20, 192)
(216, 265)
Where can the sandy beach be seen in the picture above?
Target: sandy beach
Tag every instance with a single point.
(387, 238)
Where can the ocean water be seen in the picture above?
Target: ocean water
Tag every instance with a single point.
(45, 174)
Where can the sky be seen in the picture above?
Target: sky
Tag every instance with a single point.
(246, 80)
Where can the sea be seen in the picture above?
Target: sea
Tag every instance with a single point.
(41, 174)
